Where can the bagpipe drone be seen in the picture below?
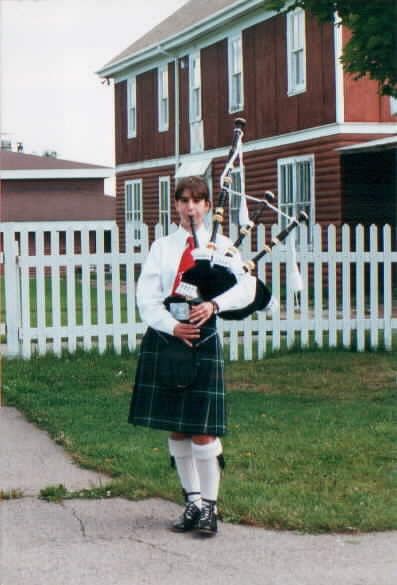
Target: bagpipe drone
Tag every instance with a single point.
(216, 271)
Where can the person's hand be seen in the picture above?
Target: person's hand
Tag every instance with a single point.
(187, 332)
(201, 313)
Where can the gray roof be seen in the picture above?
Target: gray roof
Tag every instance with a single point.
(193, 12)
(15, 161)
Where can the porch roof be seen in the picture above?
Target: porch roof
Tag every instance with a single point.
(387, 143)
(193, 165)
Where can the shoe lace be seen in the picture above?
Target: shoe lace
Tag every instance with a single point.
(190, 511)
(205, 512)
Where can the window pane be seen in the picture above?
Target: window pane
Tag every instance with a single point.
(296, 50)
(236, 181)
(132, 94)
(137, 198)
(132, 120)
(236, 90)
(164, 84)
(295, 32)
(303, 182)
(128, 203)
(295, 193)
(235, 199)
(164, 111)
(236, 56)
(163, 201)
(164, 215)
(298, 67)
(195, 89)
(288, 184)
(195, 104)
(196, 78)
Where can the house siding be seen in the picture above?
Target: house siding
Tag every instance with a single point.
(55, 200)
(267, 107)
(261, 175)
(363, 102)
(184, 128)
(149, 142)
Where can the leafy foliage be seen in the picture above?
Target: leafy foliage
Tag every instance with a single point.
(372, 48)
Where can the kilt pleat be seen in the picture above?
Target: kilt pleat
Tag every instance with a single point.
(198, 409)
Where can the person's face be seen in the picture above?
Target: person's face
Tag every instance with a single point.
(187, 207)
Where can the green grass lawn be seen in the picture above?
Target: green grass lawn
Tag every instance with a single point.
(311, 441)
(63, 301)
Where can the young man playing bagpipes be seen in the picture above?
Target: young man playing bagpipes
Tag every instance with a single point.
(179, 384)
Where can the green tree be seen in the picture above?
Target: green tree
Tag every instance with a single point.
(372, 49)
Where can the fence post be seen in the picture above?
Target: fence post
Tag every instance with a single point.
(12, 293)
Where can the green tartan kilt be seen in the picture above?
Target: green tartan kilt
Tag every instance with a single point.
(196, 409)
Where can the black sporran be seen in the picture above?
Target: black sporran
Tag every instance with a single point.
(178, 364)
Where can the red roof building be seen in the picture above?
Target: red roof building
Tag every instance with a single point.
(41, 188)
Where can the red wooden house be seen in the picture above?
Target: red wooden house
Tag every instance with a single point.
(320, 140)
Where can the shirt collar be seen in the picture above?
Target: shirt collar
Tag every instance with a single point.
(202, 234)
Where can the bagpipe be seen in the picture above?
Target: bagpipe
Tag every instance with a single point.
(216, 271)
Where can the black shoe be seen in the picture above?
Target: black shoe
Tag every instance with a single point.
(188, 520)
(207, 522)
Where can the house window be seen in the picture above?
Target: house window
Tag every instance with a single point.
(234, 201)
(393, 106)
(296, 51)
(133, 206)
(131, 106)
(296, 188)
(163, 98)
(164, 204)
(235, 58)
(195, 88)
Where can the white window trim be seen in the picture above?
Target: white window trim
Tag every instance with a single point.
(293, 88)
(139, 221)
(240, 107)
(192, 58)
(293, 160)
(163, 124)
(168, 181)
(131, 84)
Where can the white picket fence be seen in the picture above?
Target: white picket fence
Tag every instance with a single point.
(67, 285)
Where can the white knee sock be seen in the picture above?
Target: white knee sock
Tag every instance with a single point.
(181, 450)
(208, 468)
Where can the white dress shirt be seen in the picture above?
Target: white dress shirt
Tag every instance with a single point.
(159, 272)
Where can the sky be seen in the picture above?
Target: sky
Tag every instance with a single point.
(50, 96)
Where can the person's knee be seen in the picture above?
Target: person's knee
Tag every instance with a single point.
(203, 439)
(178, 436)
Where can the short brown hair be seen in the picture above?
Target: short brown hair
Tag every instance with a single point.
(196, 185)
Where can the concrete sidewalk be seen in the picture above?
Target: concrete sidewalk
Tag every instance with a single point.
(117, 542)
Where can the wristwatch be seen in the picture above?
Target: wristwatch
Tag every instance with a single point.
(215, 307)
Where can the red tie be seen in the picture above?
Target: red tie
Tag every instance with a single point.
(185, 263)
